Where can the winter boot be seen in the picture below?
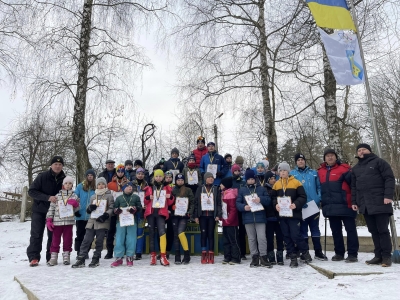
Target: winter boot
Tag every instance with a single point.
(138, 256)
(320, 255)
(306, 257)
(53, 259)
(109, 255)
(386, 262)
(225, 261)
(351, 259)
(204, 257)
(186, 257)
(80, 262)
(95, 262)
(164, 261)
(66, 258)
(264, 261)
(271, 257)
(255, 261)
(153, 259)
(293, 260)
(34, 263)
(178, 258)
(337, 257)
(129, 261)
(287, 256)
(374, 261)
(279, 257)
(243, 257)
(118, 262)
(211, 257)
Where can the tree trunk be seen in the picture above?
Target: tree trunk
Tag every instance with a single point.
(79, 128)
(269, 116)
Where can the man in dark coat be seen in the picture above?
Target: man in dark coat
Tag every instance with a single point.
(109, 171)
(372, 190)
(43, 190)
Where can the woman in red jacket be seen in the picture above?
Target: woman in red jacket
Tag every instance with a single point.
(230, 222)
(157, 200)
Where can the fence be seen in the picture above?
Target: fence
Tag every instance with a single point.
(16, 204)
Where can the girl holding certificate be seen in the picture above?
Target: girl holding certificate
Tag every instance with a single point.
(156, 201)
(125, 207)
(60, 220)
(181, 211)
(192, 174)
(207, 211)
(288, 196)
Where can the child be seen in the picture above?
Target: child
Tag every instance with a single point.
(169, 177)
(273, 227)
(179, 222)
(208, 216)
(156, 213)
(260, 178)
(125, 238)
(62, 226)
(254, 221)
(98, 225)
(288, 186)
(174, 164)
(237, 179)
(168, 180)
(192, 174)
(230, 222)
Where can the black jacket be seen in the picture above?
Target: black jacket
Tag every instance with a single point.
(105, 175)
(197, 213)
(46, 184)
(173, 164)
(270, 209)
(372, 181)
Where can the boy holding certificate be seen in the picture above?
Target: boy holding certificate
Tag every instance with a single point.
(289, 197)
(250, 203)
(181, 211)
(192, 174)
(60, 219)
(125, 207)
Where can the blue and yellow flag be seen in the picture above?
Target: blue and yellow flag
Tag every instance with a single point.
(333, 14)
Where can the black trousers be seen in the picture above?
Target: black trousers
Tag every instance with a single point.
(155, 221)
(38, 225)
(337, 235)
(179, 226)
(378, 226)
(273, 228)
(111, 234)
(231, 243)
(242, 236)
(88, 240)
(207, 227)
(80, 234)
(170, 234)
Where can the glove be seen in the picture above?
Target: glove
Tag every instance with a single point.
(133, 210)
(91, 207)
(219, 174)
(117, 211)
(73, 202)
(102, 218)
(77, 214)
(49, 224)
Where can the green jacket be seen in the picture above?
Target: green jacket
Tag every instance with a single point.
(126, 200)
(187, 193)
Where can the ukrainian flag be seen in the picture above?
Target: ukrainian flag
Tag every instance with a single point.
(333, 14)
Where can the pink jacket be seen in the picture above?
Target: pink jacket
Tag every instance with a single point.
(229, 197)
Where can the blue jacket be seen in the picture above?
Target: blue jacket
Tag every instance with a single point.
(310, 181)
(248, 216)
(84, 197)
(229, 172)
(222, 167)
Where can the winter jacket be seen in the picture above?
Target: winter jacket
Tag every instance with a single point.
(187, 193)
(310, 181)
(248, 216)
(129, 174)
(126, 200)
(46, 184)
(198, 212)
(84, 201)
(116, 184)
(187, 172)
(173, 164)
(270, 211)
(92, 223)
(107, 175)
(260, 180)
(199, 155)
(217, 159)
(229, 172)
(294, 190)
(132, 175)
(238, 182)
(335, 190)
(229, 198)
(54, 212)
(148, 203)
(372, 181)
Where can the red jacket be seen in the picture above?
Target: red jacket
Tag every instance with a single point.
(229, 197)
(148, 203)
(199, 154)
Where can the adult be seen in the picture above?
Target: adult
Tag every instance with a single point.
(43, 190)
(214, 163)
(109, 172)
(372, 190)
(200, 151)
(228, 160)
(174, 164)
(310, 181)
(335, 181)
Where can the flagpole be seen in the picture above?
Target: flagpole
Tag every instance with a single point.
(374, 124)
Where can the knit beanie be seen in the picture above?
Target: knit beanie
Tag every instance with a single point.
(260, 164)
(201, 139)
(210, 144)
(168, 174)
(269, 175)
(266, 163)
(57, 159)
(299, 155)
(284, 166)
(239, 160)
(175, 150)
(101, 180)
(208, 175)
(249, 174)
(227, 155)
(227, 182)
(327, 151)
(90, 172)
(128, 162)
(234, 168)
(192, 157)
(179, 176)
(120, 168)
(68, 179)
(158, 172)
(129, 183)
(363, 145)
(140, 170)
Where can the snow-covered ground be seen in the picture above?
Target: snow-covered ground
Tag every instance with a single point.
(182, 282)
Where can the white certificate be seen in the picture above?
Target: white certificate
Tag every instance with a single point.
(141, 196)
(181, 206)
(174, 173)
(126, 218)
(100, 210)
(65, 211)
(193, 178)
(160, 201)
(224, 210)
(253, 205)
(212, 168)
(116, 194)
(310, 210)
(284, 204)
(207, 202)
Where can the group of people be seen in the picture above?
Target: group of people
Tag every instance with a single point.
(256, 203)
